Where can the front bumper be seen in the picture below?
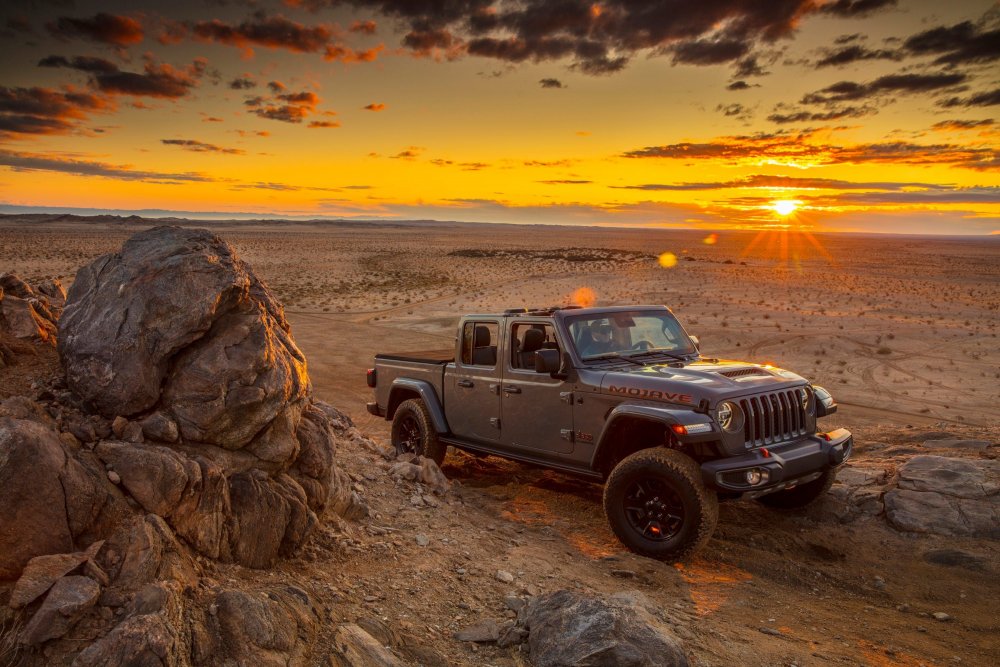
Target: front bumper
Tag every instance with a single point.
(781, 466)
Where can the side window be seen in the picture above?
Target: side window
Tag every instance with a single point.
(526, 339)
(479, 343)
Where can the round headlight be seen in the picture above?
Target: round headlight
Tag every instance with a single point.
(727, 416)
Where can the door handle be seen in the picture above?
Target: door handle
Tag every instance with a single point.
(466, 383)
(511, 389)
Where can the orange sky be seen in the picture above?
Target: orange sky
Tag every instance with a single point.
(866, 115)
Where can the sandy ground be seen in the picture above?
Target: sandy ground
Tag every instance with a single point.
(901, 330)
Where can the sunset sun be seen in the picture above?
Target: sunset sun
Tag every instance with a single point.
(785, 207)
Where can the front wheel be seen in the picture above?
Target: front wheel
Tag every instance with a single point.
(801, 495)
(413, 431)
(658, 506)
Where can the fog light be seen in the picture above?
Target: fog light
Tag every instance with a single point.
(757, 476)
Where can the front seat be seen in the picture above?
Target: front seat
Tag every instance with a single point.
(483, 354)
(533, 340)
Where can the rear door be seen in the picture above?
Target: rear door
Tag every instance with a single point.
(537, 410)
(472, 392)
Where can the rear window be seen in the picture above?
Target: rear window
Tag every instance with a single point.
(479, 343)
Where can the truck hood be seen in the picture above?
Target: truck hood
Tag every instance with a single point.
(702, 379)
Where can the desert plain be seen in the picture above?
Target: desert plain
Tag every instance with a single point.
(901, 329)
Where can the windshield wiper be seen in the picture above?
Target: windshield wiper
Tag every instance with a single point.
(672, 355)
(614, 355)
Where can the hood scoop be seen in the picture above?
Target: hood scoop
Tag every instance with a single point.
(746, 372)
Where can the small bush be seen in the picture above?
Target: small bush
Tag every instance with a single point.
(884, 350)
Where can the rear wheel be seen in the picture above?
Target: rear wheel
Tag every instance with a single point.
(413, 431)
(658, 506)
(801, 495)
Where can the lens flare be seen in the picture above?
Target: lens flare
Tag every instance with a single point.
(583, 297)
(668, 260)
(711, 239)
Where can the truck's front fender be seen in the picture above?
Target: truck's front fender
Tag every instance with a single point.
(668, 417)
(425, 390)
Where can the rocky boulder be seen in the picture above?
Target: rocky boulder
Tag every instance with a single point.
(569, 629)
(177, 341)
(946, 496)
(25, 314)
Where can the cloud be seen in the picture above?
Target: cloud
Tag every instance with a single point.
(278, 32)
(550, 83)
(734, 111)
(844, 91)
(120, 31)
(323, 124)
(937, 196)
(962, 125)
(242, 83)
(200, 146)
(374, 106)
(962, 43)
(598, 38)
(73, 165)
(785, 182)
(738, 85)
(799, 148)
(409, 153)
(285, 107)
(814, 116)
(566, 182)
(364, 27)
(855, 53)
(464, 166)
(984, 99)
(156, 80)
(855, 8)
(33, 111)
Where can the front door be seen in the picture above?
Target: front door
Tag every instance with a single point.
(473, 395)
(537, 410)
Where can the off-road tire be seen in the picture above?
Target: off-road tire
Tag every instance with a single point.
(413, 431)
(678, 475)
(802, 495)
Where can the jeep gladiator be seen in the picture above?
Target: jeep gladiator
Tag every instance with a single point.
(620, 395)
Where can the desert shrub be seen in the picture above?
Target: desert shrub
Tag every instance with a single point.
(884, 350)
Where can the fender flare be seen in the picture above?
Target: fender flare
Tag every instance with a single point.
(650, 413)
(428, 395)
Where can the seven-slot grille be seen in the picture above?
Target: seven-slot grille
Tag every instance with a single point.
(772, 418)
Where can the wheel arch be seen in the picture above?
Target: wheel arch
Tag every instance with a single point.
(403, 389)
(630, 428)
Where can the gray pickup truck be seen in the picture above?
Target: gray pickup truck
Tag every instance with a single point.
(620, 395)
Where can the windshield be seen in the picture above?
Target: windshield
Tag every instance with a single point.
(627, 333)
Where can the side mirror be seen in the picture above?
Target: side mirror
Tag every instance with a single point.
(547, 361)
(697, 343)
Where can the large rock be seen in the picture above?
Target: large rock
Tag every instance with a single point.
(68, 600)
(48, 497)
(43, 571)
(568, 629)
(178, 323)
(946, 496)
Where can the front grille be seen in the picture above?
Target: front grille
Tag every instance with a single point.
(773, 418)
(743, 372)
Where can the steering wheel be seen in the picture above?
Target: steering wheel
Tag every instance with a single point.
(643, 345)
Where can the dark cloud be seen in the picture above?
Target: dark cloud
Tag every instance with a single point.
(550, 83)
(814, 116)
(120, 31)
(738, 85)
(566, 182)
(766, 181)
(962, 43)
(196, 146)
(854, 8)
(364, 27)
(374, 106)
(599, 38)
(855, 53)
(734, 110)
(987, 98)
(323, 124)
(962, 125)
(846, 91)
(465, 166)
(783, 147)
(242, 83)
(936, 196)
(73, 165)
(156, 79)
(28, 111)
(285, 107)
(749, 67)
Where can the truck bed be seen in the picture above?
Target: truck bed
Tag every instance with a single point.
(422, 356)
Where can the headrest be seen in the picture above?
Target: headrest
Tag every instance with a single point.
(533, 339)
(482, 337)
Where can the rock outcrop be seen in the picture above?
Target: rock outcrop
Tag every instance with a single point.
(29, 314)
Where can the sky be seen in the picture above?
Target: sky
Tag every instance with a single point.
(826, 115)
